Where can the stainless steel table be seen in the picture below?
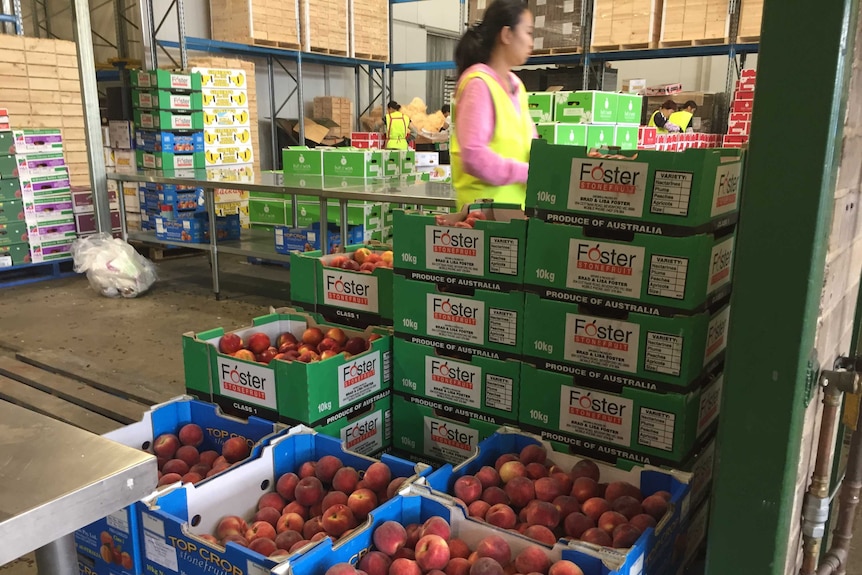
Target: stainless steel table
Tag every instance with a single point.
(398, 190)
(56, 478)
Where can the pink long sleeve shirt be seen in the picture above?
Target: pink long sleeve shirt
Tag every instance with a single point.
(475, 123)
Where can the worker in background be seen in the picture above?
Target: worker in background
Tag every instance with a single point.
(661, 118)
(446, 110)
(683, 118)
(398, 127)
(490, 143)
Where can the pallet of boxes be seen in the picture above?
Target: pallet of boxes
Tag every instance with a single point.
(587, 118)
(625, 334)
(739, 120)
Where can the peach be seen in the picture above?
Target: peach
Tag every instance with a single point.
(655, 506)
(333, 498)
(298, 545)
(286, 539)
(564, 480)
(312, 527)
(496, 548)
(389, 537)
(628, 506)
(375, 563)
(585, 468)
(488, 477)
(268, 514)
(341, 569)
(307, 469)
(501, 515)
(512, 469)
(436, 572)
(260, 529)
(643, 522)
(609, 521)
(189, 454)
(263, 546)
(432, 552)
(405, 553)
(321, 535)
(535, 470)
(327, 467)
(565, 567)
(539, 533)
(298, 508)
(200, 469)
(576, 523)
(467, 488)
(191, 434)
(619, 488)
(584, 488)
(345, 480)
(208, 457)
(494, 495)
(414, 533)
(403, 566)
(458, 548)
(377, 476)
(191, 477)
(532, 560)
(478, 509)
(394, 486)
(543, 513)
(235, 449)
(177, 466)
(338, 519)
(289, 522)
(625, 535)
(309, 491)
(566, 505)
(436, 526)
(220, 463)
(271, 499)
(458, 566)
(236, 538)
(594, 507)
(664, 495)
(533, 454)
(597, 536)
(547, 489)
(506, 457)
(169, 478)
(166, 445)
(486, 566)
(286, 486)
(257, 342)
(520, 490)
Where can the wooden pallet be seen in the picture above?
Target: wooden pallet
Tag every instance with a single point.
(687, 43)
(275, 44)
(561, 51)
(622, 47)
(373, 57)
(158, 253)
(329, 51)
(748, 39)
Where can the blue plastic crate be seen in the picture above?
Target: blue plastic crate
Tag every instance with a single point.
(173, 142)
(123, 528)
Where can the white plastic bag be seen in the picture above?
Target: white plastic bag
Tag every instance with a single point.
(113, 267)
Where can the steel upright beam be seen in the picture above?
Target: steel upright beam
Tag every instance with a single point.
(787, 201)
(273, 132)
(148, 34)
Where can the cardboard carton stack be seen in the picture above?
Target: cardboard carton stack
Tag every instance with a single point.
(750, 18)
(325, 26)
(370, 39)
(557, 26)
(265, 22)
(739, 121)
(687, 22)
(85, 211)
(587, 118)
(339, 110)
(626, 25)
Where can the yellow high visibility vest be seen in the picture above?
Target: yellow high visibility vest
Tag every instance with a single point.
(653, 125)
(513, 136)
(396, 131)
(681, 119)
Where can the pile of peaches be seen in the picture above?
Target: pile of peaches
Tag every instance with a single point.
(363, 260)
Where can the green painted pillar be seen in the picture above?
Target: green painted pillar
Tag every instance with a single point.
(805, 54)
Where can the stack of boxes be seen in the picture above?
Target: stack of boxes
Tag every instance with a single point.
(85, 212)
(339, 110)
(557, 26)
(739, 121)
(227, 129)
(587, 118)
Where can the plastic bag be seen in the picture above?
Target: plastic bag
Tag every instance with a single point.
(113, 267)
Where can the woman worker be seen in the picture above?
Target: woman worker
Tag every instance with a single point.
(398, 125)
(661, 118)
(490, 144)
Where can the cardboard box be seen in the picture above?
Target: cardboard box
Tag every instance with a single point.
(563, 134)
(82, 201)
(487, 323)
(354, 298)
(11, 211)
(302, 393)
(86, 223)
(391, 164)
(364, 427)
(10, 189)
(163, 100)
(227, 136)
(678, 194)
(268, 211)
(626, 137)
(215, 98)
(629, 109)
(110, 163)
(13, 233)
(345, 162)
(424, 159)
(7, 142)
(56, 252)
(196, 230)
(665, 427)
(635, 349)
(169, 161)
(8, 167)
(41, 164)
(126, 162)
(481, 385)
(542, 106)
(14, 255)
(300, 160)
(664, 275)
(229, 155)
(174, 143)
(166, 80)
(37, 141)
(49, 208)
(634, 86)
(742, 106)
(600, 136)
(160, 120)
(586, 107)
(290, 240)
(235, 78)
(646, 136)
(489, 256)
(226, 118)
(121, 134)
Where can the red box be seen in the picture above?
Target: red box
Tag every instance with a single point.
(365, 144)
(647, 136)
(739, 117)
(744, 95)
(663, 90)
(738, 128)
(734, 141)
(4, 119)
(742, 106)
(86, 223)
(748, 73)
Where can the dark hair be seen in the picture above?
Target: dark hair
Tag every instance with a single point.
(446, 108)
(668, 105)
(394, 105)
(476, 44)
(690, 104)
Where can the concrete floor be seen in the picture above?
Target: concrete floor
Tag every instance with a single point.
(140, 338)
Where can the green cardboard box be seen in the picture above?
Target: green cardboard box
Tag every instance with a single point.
(359, 213)
(313, 182)
(563, 134)
(435, 430)
(664, 426)
(290, 390)
(13, 233)
(489, 256)
(7, 142)
(629, 109)
(10, 189)
(599, 135)
(300, 160)
(664, 275)
(8, 167)
(586, 107)
(352, 163)
(626, 137)
(166, 121)
(487, 323)
(542, 106)
(365, 427)
(353, 184)
(408, 161)
(14, 255)
(166, 80)
(168, 161)
(634, 349)
(391, 163)
(268, 211)
(350, 297)
(164, 100)
(11, 211)
(486, 386)
(677, 194)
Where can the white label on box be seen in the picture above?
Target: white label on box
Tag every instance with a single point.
(5, 261)
(602, 342)
(358, 378)
(350, 290)
(710, 402)
(578, 112)
(605, 267)
(503, 326)
(246, 382)
(180, 102)
(663, 353)
(145, 100)
(453, 381)
(538, 43)
(569, 6)
(656, 429)
(152, 524)
(498, 392)
(456, 250)
(449, 441)
(181, 81)
(160, 552)
(149, 161)
(184, 162)
(608, 187)
(540, 22)
(719, 268)
(725, 196)
(638, 567)
(179, 122)
(364, 436)
(671, 193)
(148, 121)
(568, 28)
(667, 276)
(455, 318)
(716, 337)
(119, 520)
(503, 256)
(594, 414)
